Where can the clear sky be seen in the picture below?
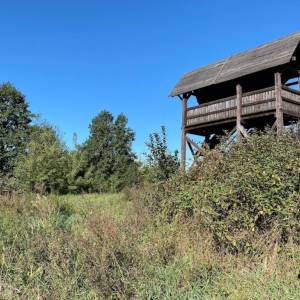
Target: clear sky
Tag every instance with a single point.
(74, 58)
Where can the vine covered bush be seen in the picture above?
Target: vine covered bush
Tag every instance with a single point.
(238, 194)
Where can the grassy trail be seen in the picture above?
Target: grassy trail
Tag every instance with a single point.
(113, 204)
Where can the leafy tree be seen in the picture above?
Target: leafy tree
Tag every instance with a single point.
(45, 166)
(14, 126)
(107, 162)
(162, 163)
(79, 179)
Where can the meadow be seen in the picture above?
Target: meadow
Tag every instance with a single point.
(110, 247)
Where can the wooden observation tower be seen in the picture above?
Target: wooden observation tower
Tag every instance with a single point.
(253, 89)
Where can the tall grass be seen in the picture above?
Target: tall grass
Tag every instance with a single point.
(106, 247)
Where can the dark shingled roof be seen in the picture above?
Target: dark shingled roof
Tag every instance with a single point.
(267, 56)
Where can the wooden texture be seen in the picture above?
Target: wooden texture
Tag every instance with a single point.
(195, 149)
(278, 105)
(261, 102)
(270, 55)
(239, 97)
(240, 92)
(252, 103)
(183, 132)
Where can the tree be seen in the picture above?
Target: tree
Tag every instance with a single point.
(44, 168)
(14, 126)
(161, 162)
(107, 160)
(79, 179)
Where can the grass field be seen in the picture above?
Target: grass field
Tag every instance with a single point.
(106, 247)
(114, 204)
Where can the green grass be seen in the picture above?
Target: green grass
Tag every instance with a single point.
(114, 204)
(105, 247)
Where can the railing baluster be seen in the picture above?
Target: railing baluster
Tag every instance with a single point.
(254, 102)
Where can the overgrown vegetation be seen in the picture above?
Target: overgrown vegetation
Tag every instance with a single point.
(239, 194)
(45, 166)
(104, 247)
(14, 126)
(33, 157)
(227, 229)
(161, 163)
(106, 161)
(14, 131)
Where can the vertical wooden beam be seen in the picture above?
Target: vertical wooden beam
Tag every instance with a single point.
(239, 97)
(278, 105)
(183, 132)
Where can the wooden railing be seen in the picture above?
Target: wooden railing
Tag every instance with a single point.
(291, 101)
(255, 102)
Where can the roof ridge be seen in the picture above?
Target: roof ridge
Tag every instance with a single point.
(224, 60)
(267, 55)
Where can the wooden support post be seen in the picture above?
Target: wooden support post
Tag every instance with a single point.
(278, 97)
(183, 132)
(239, 111)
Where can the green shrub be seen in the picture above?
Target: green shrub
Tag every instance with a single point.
(161, 163)
(45, 166)
(238, 194)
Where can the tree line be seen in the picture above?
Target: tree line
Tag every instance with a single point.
(34, 158)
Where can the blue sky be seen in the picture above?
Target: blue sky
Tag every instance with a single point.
(74, 58)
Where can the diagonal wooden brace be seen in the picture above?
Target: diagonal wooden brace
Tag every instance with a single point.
(242, 130)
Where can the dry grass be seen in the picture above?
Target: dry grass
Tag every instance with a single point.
(105, 247)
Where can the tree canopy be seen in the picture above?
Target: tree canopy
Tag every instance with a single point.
(107, 162)
(15, 118)
(45, 166)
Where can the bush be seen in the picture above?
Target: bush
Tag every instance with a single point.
(238, 194)
(45, 166)
(161, 163)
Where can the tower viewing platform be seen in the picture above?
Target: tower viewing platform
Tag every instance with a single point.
(254, 89)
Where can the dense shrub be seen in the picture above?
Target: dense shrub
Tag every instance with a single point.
(44, 168)
(238, 193)
(161, 163)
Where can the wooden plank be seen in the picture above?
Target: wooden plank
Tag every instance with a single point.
(191, 148)
(239, 97)
(194, 145)
(241, 131)
(278, 105)
(270, 55)
(292, 113)
(285, 88)
(214, 123)
(183, 132)
(234, 97)
(198, 114)
(291, 83)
